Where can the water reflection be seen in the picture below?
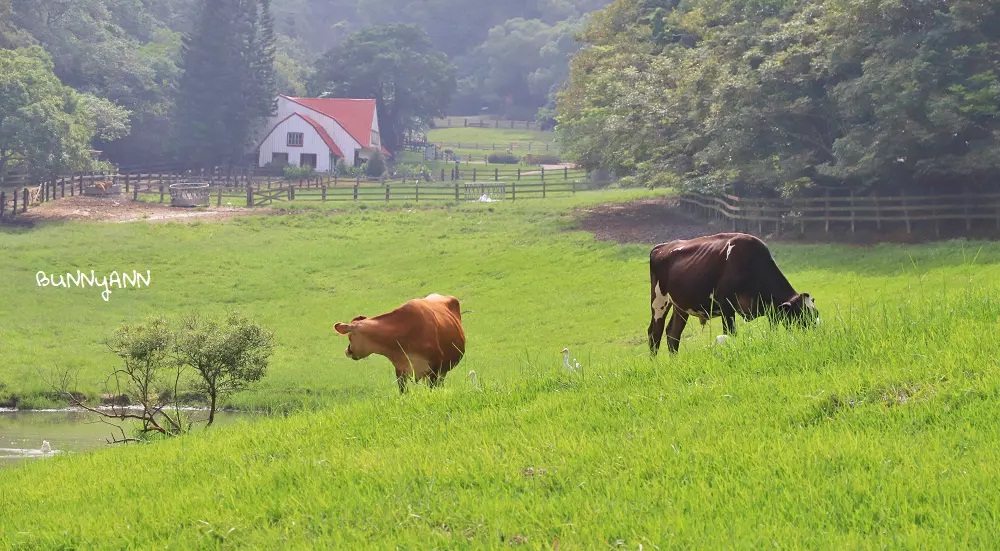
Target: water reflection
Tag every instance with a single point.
(22, 433)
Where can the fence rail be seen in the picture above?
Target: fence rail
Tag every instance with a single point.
(242, 188)
(480, 122)
(848, 212)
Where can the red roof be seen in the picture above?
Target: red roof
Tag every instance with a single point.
(323, 134)
(355, 115)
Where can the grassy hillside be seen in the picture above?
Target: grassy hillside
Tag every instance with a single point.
(876, 429)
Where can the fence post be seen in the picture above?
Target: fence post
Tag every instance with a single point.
(826, 212)
(387, 192)
(519, 173)
(218, 200)
(24, 200)
(878, 213)
(513, 190)
(135, 192)
(574, 187)
(852, 211)
(543, 188)
(62, 188)
(906, 211)
(161, 191)
(543, 173)
(126, 182)
(291, 192)
(496, 174)
(565, 173)
(249, 195)
(456, 193)
(416, 188)
(442, 174)
(473, 174)
(324, 194)
(14, 212)
(3, 203)
(355, 192)
(81, 184)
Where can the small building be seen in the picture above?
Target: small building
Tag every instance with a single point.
(320, 133)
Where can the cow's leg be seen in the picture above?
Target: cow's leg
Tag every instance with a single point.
(433, 379)
(728, 317)
(660, 307)
(675, 328)
(401, 377)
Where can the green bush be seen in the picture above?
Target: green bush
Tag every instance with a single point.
(503, 159)
(292, 171)
(375, 166)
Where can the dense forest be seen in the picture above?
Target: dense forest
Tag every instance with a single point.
(123, 60)
(789, 97)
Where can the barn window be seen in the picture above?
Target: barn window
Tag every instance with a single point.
(295, 139)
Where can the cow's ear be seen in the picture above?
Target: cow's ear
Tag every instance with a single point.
(342, 328)
(359, 318)
(785, 305)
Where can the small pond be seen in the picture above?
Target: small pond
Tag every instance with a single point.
(67, 431)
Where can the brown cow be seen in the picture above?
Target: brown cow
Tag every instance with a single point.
(718, 275)
(423, 338)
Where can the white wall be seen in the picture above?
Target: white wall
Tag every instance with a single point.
(344, 141)
(277, 142)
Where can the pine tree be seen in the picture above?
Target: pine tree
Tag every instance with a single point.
(228, 85)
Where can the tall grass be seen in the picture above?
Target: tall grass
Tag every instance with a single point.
(875, 429)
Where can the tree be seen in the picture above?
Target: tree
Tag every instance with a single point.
(227, 356)
(45, 128)
(228, 85)
(148, 376)
(779, 97)
(397, 66)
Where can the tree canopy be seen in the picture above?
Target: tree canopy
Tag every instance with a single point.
(398, 67)
(774, 96)
(46, 127)
(228, 85)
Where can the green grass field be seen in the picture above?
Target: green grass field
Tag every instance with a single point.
(876, 429)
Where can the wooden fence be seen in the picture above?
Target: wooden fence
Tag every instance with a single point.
(481, 122)
(849, 213)
(241, 189)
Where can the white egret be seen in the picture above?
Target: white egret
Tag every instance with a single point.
(572, 366)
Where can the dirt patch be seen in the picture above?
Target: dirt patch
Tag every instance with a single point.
(122, 209)
(652, 221)
(647, 221)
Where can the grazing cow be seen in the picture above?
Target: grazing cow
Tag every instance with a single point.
(718, 275)
(423, 338)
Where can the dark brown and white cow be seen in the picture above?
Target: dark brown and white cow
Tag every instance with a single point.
(718, 275)
(423, 338)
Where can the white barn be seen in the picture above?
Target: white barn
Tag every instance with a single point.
(319, 132)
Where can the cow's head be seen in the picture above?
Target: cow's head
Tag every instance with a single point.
(800, 309)
(359, 344)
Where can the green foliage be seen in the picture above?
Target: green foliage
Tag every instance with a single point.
(227, 356)
(229, 84)
(293, 172)
(45, 127)
(375, 166)
(756, 96)
(503, 158)
(395, 64)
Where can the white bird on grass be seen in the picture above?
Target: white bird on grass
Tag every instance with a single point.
(721, 339)
(572, 366)
(46, 448)
(472, 378)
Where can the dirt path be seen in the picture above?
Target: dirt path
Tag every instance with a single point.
(122, 209)
(647, 221)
